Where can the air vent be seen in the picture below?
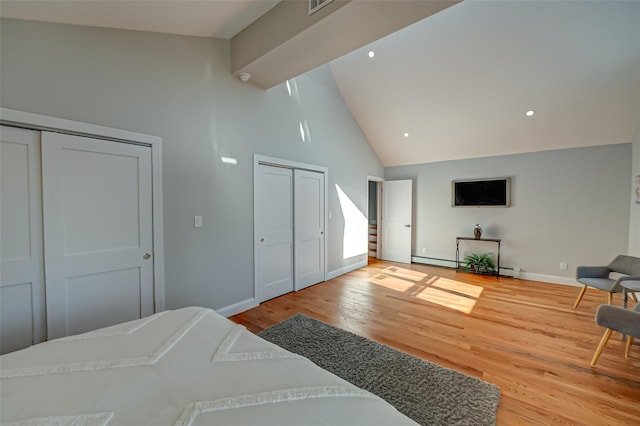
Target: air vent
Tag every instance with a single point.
(316, 5)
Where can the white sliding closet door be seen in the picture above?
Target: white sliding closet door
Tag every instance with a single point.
(97, 207)
(309, 228)
(22, 321)
(273, 197)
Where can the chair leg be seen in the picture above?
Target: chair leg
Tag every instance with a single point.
(627, 347)
(575, 305)
(609, 298)
(633, 296)
(603, 342)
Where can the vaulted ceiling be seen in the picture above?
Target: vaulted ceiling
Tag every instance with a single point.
(454, 85)
(460, 82)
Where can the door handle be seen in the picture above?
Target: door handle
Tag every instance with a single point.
(407, 226)
(146, 256)
(262, 240)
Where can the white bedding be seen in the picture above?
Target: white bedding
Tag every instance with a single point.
(185, 367)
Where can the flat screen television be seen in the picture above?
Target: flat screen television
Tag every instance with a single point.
(494, 192)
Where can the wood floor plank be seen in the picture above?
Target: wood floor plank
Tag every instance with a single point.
(524, 336)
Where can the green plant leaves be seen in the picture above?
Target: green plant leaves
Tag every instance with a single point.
(480, 263)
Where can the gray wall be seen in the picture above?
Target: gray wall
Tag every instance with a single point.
(567, 206)
(180, 88)
(634, 214)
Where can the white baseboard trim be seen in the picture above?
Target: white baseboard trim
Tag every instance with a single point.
(346, 269)
(245, 305)
(236, 308)
(433, 262)
(552, 279)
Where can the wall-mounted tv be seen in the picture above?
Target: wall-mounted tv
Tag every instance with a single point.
(495, 192)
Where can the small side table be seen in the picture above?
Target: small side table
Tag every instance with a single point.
(492, 240)
(627, 286)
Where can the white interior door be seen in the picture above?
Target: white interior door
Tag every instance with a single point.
(396, 220)
(97, 207)
(308, 228)
(22, 320)
(273, 198)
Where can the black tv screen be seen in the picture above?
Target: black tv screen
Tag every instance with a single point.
(481, 193)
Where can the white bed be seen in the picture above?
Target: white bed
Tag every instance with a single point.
(185, 367)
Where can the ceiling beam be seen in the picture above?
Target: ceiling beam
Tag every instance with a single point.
(287, 41)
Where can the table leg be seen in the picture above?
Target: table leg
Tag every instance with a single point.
(624, 305)
(625, 297)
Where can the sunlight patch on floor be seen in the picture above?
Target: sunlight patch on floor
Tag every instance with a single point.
(441, 291)
(459, 287)
(449, 300)
(407, 274)
(390, 282)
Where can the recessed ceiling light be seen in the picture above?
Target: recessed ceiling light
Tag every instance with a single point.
(371, 53)
(530, 113)
(405, 134)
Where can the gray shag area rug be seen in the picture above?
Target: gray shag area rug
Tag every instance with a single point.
(423, 391)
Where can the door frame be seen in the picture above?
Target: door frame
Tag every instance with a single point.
(287, 164)
(27, 120)
(379, 182)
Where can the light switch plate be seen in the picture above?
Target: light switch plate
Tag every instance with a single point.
(197, 221)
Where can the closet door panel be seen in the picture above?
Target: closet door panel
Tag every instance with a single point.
(273, 198)
(98, 233)
(22, 321)
(16, 319)
(309, 228)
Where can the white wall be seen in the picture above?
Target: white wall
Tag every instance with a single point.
(567, 206)
(180, 88)
(634, 214)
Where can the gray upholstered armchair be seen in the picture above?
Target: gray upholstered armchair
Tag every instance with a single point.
(599, 276)
(618, 319)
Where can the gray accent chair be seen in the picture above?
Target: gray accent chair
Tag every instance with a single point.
(619, 319)
(598, 276)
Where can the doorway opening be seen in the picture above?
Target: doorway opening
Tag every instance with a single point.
(374, 222)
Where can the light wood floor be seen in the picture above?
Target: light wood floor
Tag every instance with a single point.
(521, 335)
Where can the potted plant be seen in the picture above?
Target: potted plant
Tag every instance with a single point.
(480, 263)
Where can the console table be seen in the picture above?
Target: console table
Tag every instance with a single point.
(489, 240)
